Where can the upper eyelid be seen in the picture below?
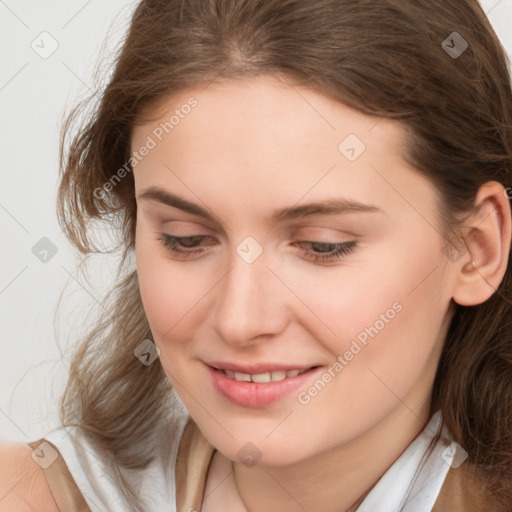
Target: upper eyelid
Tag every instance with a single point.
(292, 231)
(288, 228)
(334, 255)
(311, 240)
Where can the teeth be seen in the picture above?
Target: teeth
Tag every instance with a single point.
(263, 377)
(242, 377)
(279, 375)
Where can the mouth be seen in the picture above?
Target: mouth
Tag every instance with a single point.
(274, 376)
(256, 390)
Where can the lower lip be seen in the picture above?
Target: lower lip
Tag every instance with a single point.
(256, 394)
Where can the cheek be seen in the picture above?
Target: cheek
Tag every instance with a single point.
(168, 292)
(387, 318)
(355, 302)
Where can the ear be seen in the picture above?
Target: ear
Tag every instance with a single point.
(487, 235)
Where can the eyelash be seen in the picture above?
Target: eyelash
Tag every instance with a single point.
(340, 249)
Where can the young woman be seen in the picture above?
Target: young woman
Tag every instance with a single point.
(318, 312)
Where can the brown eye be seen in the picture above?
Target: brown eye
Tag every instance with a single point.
(329, 251)
(188, 246)
(173, 243)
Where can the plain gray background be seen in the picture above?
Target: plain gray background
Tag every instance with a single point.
(48, 53)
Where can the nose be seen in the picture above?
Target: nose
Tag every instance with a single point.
(251, 302)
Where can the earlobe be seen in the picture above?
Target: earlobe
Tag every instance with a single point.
(487, 235)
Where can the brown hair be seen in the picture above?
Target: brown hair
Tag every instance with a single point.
(384, 58)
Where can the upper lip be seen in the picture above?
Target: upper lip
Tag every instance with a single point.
(258, 367)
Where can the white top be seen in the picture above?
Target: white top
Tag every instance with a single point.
(411, 484)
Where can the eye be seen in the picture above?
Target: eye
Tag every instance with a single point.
(329, 251)
(188, 246)
(171, 242)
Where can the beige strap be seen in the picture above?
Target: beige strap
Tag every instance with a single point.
(195, 454)
(65, 492)
(462, 490)
(193, 460)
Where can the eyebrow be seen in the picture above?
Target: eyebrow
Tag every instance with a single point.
(326, 207)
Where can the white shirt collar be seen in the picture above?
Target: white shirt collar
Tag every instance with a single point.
(413, 482)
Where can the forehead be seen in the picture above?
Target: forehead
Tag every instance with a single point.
(226, 104)
(269, 138)
(264, 119)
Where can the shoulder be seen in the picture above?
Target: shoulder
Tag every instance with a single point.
(23, 486)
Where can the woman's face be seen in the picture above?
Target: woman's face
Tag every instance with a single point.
(355, 289)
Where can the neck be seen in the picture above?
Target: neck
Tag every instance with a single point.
(338, 479)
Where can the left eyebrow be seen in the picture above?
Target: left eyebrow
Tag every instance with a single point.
(326, 207)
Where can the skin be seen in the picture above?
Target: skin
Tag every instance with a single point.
(255, 145)
(23, 486)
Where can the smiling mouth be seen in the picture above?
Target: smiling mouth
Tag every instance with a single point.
(273, 376)
(255, 390)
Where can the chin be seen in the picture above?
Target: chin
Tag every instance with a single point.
(262, 453)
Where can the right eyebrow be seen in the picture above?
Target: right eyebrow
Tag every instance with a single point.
(325, 207)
